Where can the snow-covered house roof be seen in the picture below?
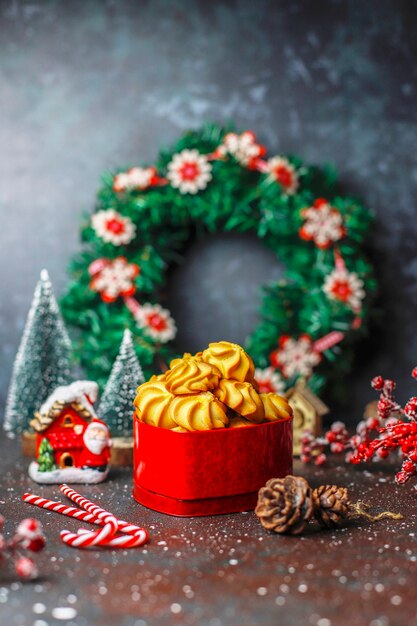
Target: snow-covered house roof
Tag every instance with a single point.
(79, 396)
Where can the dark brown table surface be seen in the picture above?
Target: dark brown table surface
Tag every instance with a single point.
(223, 570)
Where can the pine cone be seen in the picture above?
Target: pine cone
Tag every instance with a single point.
(331, 505)
(285, 505)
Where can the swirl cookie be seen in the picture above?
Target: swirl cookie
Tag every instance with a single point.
(152, 404)
(231, 360)
(191, 376)
(276, 407)
(198, 412)
(242, 398)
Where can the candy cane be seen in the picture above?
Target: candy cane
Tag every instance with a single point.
(71, 511)
(123, 541)
(92, 538)
(58, 507)
(328, 341)
(125, 527)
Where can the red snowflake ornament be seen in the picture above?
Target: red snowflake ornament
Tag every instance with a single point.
(112, 227)
(135, 179)
(189, 171)
(323, 224)
(113, 278)
(269, 380)
(345, 287)
(156, 322)
(295, 357)
(284, 173)
(244, 148)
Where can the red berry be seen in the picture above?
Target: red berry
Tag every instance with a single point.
(407, 446)
(401, 478)
(320, 459)
(414, 373)
(383, 453)
(408, 466)
(372, 423)
(26, 568)
(337, 447)
(377, 383)
(29, 528)
(331, 436)
(35, 545)
(389, 386)
(338, 427)
(410, 408)
(413, 456)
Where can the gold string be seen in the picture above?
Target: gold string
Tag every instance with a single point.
(359, 509)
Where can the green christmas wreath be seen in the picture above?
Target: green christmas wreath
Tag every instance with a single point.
(215, 180)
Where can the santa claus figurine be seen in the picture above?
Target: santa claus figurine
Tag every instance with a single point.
(97, 443)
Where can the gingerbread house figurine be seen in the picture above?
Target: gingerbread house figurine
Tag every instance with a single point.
(73, 444)
(308, 411)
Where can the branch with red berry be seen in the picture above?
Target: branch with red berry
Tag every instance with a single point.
(393, 429)
(28, 537)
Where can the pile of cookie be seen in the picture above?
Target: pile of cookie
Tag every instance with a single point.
(215, 388)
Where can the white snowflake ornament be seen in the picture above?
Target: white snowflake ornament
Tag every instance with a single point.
(295, 357)
(244, 148)
(345, 287)
(189, 171)
(112, 227)
(113, 278)
(156, 322)
(284, 173)
(269, 380)
(323, 224)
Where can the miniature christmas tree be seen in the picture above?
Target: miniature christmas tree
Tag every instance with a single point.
(116, 406)
(42, 362)
(46, 462)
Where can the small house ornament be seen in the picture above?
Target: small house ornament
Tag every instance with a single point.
(72, 443)
(308, 412)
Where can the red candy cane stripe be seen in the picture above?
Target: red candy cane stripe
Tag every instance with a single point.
(91, 538)
(328, 341)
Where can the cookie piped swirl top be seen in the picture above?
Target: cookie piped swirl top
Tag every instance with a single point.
(231, 360)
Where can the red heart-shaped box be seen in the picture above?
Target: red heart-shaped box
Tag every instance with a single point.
(208, 472)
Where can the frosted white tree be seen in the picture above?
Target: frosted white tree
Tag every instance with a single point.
(43, 361)
(116, 405)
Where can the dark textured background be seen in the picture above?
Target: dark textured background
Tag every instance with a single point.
(90, 85)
